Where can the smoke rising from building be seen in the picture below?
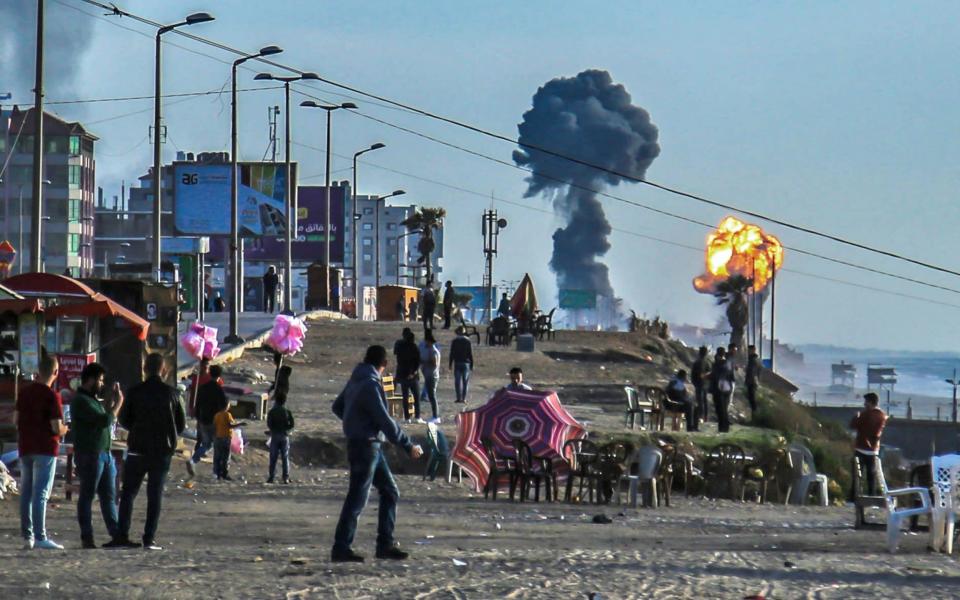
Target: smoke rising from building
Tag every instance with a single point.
(591, 118)
(67, 35)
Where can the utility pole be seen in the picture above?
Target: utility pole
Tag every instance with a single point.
(491, 231)
(36, 220)
(954, 382)
(272, 112)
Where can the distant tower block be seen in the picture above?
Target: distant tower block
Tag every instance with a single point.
(843, 375)
(881, 377)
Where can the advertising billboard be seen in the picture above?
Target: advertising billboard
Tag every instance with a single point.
(202, 201)
(479, 300)
(578, 299)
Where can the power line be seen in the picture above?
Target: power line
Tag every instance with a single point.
(151, 96)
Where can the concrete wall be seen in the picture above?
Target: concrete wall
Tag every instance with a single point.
(918, 439)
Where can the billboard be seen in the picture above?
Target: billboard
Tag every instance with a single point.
(309, 244)
(578, 299)
(479, 293)
(202, 201)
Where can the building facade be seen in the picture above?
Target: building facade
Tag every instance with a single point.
(69, 173)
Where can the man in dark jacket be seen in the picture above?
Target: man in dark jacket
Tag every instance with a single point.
(270, 282)
(154, 418)
(210, 396)
(721, 387)
(92, 422)
(751, 376)
(461, 362)
(699, 372)
(448, 295)
(362, 406)
(428, 302)
(408, 373)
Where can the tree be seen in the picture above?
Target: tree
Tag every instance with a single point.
(424, 221)
(733, 293)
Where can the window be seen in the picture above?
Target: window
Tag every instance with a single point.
(25, 144)
(391, 241)
(367, 242)
(73, 336)
(56, 144)
(3, 144)
(74, 211)
(75, 145)
(74, 241)
(74, 173)
(368, 211)
(391, 226)
(367, 257)
(368, 226)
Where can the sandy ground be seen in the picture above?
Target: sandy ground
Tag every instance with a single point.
(249, 540)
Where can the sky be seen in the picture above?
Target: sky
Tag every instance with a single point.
(838, 116)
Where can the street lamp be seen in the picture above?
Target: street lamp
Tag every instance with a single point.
(376, 208)
(291, 190)
(326, 221)
(235, 290)
(195, 18)
(353, 245)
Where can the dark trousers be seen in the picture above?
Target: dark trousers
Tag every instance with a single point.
(367, 465)
(279, 448)
(98, 475)
(205, 436)
(700, 394)
(407, 387)
(868, 464)
(447, 311)
(221, 457)
(752, 398)
(428, 318)
(721, 403)
(270, 300)
(135, 468)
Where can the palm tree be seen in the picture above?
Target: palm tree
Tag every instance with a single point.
(424, 221)
(733, 293)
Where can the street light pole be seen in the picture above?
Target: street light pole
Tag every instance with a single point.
(353, 245)
(326, 220)
(36, 221)
(190, 20)
(235, 291)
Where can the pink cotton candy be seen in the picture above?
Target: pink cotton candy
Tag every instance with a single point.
(200, 341)
(287, 335)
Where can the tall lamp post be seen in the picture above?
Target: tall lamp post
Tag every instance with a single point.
(353, 244)
(235, 290)
(291, 191)
(326, 221)
(36, 215)
(376, 236)
(200, 17)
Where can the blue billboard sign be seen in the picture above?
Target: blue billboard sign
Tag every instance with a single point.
(480, 299)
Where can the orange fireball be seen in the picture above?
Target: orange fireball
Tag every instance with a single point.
(738, 248)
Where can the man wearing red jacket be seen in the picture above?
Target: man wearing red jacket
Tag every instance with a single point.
(869, 425)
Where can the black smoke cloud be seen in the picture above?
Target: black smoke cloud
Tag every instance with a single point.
(67, 36)
(591, 118)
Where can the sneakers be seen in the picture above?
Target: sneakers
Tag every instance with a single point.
(435, 420)
(420, 421)
(47, 544)
(269, 479)
(87, 544)
(152, 546)
(286, 481)
(227, 478)
(392, 552)
(121, 543)
(192, 471)
(340, 556)
(28, 544)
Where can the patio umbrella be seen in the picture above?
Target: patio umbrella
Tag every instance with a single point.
(536, 417)
(524, 300)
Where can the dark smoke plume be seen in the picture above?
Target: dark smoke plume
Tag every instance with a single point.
(67, 36)
(590, 118)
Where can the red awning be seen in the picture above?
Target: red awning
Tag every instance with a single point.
(104, 308)
(20, 305)
(47, 285)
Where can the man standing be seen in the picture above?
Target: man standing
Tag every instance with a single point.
(461, 362)
(39, 418)
(448, 295)
(210, 396)
(408, 373)
(869, 424)
(92, 424)
(679, 401)
(751, 377)
(154, 418)
(698, 375)
(270, 281)
(428, 300)
(721, 387)
(362, 406)
(504, 310)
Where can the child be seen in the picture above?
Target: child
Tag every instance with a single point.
(280, 423)
(224, 424)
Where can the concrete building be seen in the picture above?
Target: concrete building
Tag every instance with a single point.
(68, 207)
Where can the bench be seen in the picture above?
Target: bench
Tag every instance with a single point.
(394, 400)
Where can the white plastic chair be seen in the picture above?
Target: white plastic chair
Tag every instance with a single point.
(895, 514)
(946, 503)
(644, 466)
(804, 475)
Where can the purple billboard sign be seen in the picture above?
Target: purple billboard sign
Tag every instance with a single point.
(309, 245)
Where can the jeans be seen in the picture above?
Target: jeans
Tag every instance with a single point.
(221, 457)
(98, 475)
(752, 398)
(269, 300)
(869, 464)
(411, 386)
(700, 394)
(430, 391)
(461, 379)
(447, 312)
(135, 468)
(205, 435)
(367, 465)
(428, 318)
(36, 480)
(279, 448)
(721, 402)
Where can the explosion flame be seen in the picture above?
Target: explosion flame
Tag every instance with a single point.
(738, 248)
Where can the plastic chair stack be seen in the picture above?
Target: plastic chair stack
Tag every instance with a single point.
(946, 502)
(804, 475)
(644, 467)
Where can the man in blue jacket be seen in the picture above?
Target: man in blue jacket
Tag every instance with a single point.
(362, 406)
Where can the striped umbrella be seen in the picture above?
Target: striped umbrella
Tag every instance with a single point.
(524, 301)
(536, 417)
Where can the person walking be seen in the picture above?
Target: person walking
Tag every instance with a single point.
(270, 282)
(280, 423)
(38, 414)
(430, 367)
(154, 418)
(868, 424)
(92, 427)
(223, 424)
(210, 396)
(751, 376)
(412, 310)
(362, 407)
(408, 374)
(699, 377)
(428, 300)
(461, 362)
(449, 293)
(721, 387)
